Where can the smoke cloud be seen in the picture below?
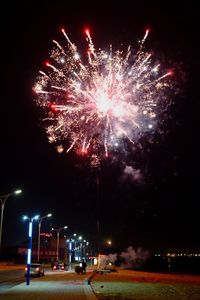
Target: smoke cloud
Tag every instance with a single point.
(106, 260)
(131, 258)
(134, 258)
(131, 174)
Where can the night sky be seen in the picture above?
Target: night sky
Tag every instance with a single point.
(161, 210)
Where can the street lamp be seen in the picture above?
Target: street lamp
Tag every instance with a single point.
(85, 243)
(109, 242)
(79, 247)
(3, 199)
(70, 246)
(39, 229)
(58, 234)
(30, 230)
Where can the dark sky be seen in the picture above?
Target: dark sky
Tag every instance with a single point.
(161, 211)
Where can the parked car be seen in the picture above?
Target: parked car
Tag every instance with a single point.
(60, 267)
(107, 268)
(110, 267)
(35, 270)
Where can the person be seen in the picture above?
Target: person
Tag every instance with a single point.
(84, 265)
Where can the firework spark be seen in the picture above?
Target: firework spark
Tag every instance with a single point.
(93, 107)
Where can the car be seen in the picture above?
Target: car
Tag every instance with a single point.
(110, 267)
(107, 268)
(35, 270)
(60, 267)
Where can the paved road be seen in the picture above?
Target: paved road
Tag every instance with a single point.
(9, 277)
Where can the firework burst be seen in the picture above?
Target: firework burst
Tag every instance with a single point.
(93, 107)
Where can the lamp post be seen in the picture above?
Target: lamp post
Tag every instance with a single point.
(80, 248)
(30, 230)
(85, 243)
(75, 246)
(70, 247)
(39, 229)
(3, 199)
(58, 235)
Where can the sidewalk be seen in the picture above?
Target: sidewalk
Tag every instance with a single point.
(57, 286)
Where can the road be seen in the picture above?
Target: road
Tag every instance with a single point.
(10, 276)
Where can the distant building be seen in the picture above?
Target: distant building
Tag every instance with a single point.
(48, 249)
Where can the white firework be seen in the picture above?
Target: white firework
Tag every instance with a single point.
(92, 107)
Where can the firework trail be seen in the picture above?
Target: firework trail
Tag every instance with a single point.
(94, 107)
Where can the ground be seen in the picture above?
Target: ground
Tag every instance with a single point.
(131, 285)
(120, 285)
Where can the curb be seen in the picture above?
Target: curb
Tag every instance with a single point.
(90, 278)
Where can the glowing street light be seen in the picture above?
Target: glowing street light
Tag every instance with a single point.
(85, 244)
(80, 247)
(70, 242)
(30, 230)
(39, 229)
(109, 243)
(3, 199)
(58, 235)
